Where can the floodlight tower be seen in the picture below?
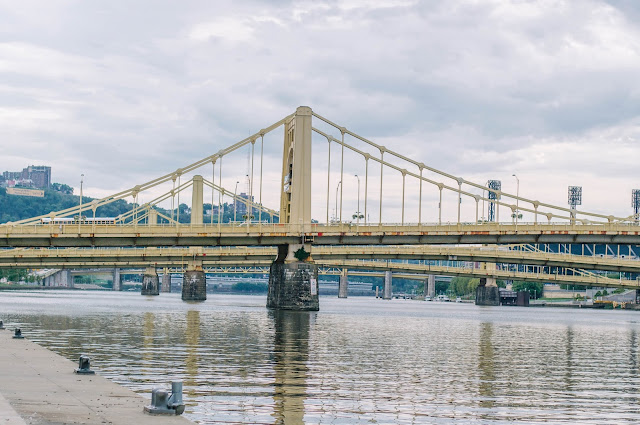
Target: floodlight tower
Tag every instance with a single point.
(574, 199)
(635, 203)
(493, 185)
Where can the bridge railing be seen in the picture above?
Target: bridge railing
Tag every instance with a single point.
(9, 229)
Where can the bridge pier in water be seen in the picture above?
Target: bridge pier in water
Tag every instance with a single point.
(343, 285)
(150, 282)
(166, 281)
(387, 292)
(117, 282)
(293, 284)
(487, 292)
(194, 282)
(430, 286)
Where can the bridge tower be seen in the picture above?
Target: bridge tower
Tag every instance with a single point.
(293, 276)
(194, 280)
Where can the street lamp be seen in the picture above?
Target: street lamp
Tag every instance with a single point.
(517, 199)
(235, 202)
(358, 212)
(335, 212)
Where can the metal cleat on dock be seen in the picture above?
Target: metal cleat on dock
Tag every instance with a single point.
(84, 366)
(164, 404)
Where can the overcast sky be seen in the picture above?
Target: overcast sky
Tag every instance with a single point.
(124, 91)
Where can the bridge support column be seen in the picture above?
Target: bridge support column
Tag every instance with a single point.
(343, 286)
(62, 279)
(117, 284)
(487, 295)
(197, 201)
(387, 294)
(430, 289)
(487, 292)
(194, 283)
(166, 281)
(150, 282)
(293, 283)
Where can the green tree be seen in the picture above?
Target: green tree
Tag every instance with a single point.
(535, 288)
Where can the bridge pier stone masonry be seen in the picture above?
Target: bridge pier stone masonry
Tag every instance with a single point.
(387, 293)
(194, 282)
(166, 281)
(150, 282)
(293, 283)
(343, 286)
(487, 292)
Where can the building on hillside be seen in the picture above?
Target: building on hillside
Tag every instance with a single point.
(37, 176)
(241, 205)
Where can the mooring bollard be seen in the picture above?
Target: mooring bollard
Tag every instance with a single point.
(18, 334)
(163, 404)
(84, 366)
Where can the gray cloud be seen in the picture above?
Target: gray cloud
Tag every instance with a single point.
(126, 91)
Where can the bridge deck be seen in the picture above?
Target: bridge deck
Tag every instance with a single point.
(45, 235)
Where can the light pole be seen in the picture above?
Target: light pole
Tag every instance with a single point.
(517, 199)
(358, 212)
(235, 202)
(335, 212)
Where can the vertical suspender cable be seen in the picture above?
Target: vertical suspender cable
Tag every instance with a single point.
(328, 176)
(261, 162)
(477, 203)
(179, 188)
(440, 204)
(381, 168)
(459, 199)
(341, 175)
(404, 179)
(173, 199)
(366, 184)
(213, 185)
(253, 154)
(420, 199)
(220, 196)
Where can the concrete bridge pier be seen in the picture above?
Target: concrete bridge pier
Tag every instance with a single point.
(61, 278)
(293, 283)
(387, 293)
(487, 292)
(117, 283)
(194, 283)
(343, 286)
(430, 286)
(150, 282)
(166, 281)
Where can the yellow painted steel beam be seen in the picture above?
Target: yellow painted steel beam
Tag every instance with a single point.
(266, 234)
(42, 257)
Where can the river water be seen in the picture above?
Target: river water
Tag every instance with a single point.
(358, 360)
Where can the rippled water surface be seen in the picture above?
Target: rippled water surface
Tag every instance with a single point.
(358, 360)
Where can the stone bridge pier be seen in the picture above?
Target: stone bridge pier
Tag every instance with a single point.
(487, 292)
(194, 283)
(293, 284)
(61, 278)
(343, 286)
(166, 281)
(150, 282)
(387, 292)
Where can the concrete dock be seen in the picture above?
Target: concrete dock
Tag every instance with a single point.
(39, 387)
